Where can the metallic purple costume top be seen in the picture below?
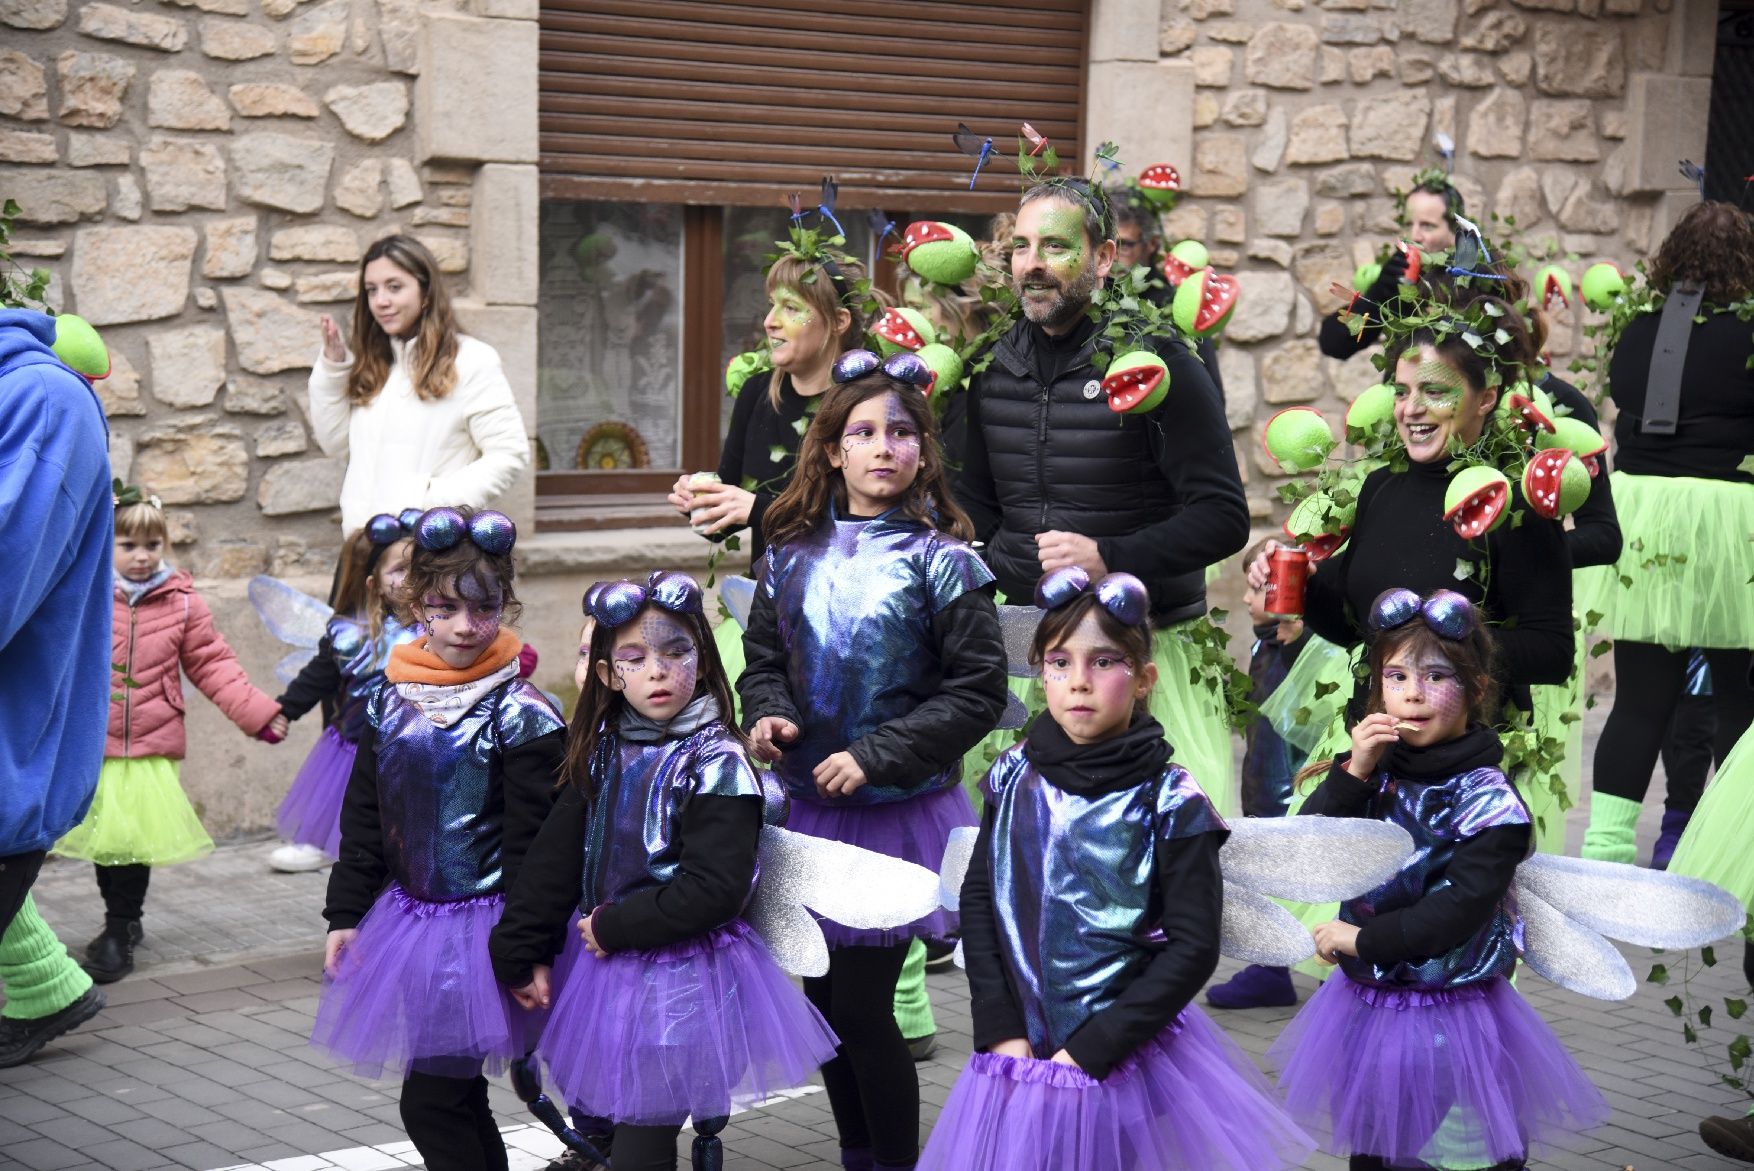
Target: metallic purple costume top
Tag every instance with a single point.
(1075, 891)
(1439, 815)
(854, 602)
(632, 841)
(361, 663)
(439, 792)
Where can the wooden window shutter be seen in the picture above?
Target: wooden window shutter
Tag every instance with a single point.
(689, 101)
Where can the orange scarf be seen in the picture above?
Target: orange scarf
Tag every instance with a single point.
(411, 662)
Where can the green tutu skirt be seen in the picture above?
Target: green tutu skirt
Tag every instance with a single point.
(139, 815)
(1312, 697)
(1716, 844)
(728, 637)
(1192, 714)
(1682, 578)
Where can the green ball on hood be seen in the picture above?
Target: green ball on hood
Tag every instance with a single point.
(78, 345)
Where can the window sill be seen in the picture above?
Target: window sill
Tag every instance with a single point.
(622, 552)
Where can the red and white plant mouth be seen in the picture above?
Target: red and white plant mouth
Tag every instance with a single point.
(1475, 515)
(1554, 294)
(1533, 417)
(1176, 269)
(893, 327)
(1128, 388)
(923, 232)
(1541, 482)
(1215, 300)
(1161, 177)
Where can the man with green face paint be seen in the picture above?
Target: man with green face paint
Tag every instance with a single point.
(1052, 477)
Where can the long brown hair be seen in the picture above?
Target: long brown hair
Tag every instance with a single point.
(433, 369)
(816, 482)
(811, 282)
(600, 706)
(353, 576)
(1712, 245)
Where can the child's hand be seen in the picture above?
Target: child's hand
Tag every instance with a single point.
(1290, 630)
(275, 730)
(1370, 736)
(1015, 1047)
(767, 735)
(1260, 568)
(1064, 1058)
(333, 349)
(1334, 939)
(590, 938)
(337, 942)
(533, 995)
(839, 775)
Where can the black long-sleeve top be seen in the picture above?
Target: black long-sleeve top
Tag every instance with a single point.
(1714, 429)
(1336, 340)
(718, 839)
(318, 681)
(761, 448)
(1594, 536)
(1399, 538)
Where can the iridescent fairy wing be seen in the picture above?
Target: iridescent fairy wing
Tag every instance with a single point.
(958, 852)
(738, 596)
(1305, 859)
(293, 617)
(1017, 624)
(861, 888)
(1568, 906)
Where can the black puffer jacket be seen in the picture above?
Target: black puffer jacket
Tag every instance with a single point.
(1158, 492)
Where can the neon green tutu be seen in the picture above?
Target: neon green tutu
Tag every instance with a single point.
(139, 815)
(1558, 717)
(1715, 846)
(728, 637)
(1193, 718)
(1312, 696)
(1682, 578)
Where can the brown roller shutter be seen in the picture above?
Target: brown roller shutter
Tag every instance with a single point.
(687, 101)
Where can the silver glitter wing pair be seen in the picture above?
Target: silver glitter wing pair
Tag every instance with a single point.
(293, 617)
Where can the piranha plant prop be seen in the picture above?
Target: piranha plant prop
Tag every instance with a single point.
(901, 328)
(1161, 185)
(1555, 483)
(78, 345)
(939, 252)
(1185, 259)
(1136, 382)
(1553, 286)
(945, 365)
(1475, 502)
(1602, 285)
(1579, 438)
(1204, 303)
(1374, 406)
(1320, 524)
(1531, 406)
(1298, 439)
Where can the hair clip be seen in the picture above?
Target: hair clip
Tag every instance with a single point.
(384, 529)
(1121, 594)
(125, 495)
(614, 603)
(439, 529)
(1449, 615)
(903, 367)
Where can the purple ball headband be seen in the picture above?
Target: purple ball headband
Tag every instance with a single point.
(903, 367)
(439, 529)
(1448, 614)
(614, 603)
(1121, 594)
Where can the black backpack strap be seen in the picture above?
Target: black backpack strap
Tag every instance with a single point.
(1668, 357)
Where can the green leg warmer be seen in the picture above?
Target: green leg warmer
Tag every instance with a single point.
(1612, 835)
(39, 977)
(913, 1008)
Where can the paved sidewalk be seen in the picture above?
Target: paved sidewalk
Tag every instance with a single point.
(200, 1061)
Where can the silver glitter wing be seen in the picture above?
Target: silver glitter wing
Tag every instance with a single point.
(861, 888)
(738, 596)
(1018, 624)
(1256, 930)
(293, 617)
(958, 851)
(1569, 904)
(1312, 859)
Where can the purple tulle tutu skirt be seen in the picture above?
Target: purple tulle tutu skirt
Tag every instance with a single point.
(311, 813)
(416, 992)
(652, 1037)
(1186, 1100)
(1459, 1078)
(914, 831)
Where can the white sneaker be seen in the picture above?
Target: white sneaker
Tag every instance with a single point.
(292, 859)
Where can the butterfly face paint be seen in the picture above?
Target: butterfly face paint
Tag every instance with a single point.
(795, 331)
(655, 664)
(462, 620)
(1433, 405)
(879, 454)
(1051, 264)
(1090, 685)
(1426, 697)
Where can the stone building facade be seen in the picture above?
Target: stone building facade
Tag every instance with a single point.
(202, 176)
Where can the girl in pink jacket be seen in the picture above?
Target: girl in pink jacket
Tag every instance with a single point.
(140, 817)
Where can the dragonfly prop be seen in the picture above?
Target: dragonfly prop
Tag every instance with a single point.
(975, 146)
(882, 227)
(1695, 174)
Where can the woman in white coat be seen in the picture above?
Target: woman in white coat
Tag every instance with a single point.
(422, 413)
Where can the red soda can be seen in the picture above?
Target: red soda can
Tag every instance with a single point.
(1287, 570)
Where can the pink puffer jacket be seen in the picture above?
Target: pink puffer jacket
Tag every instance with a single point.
(171, 631)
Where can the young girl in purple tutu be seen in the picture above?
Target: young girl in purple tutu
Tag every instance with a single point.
(453, 779)
(1421, 1053)
(350, 659)
(667, 1005)
(1090, 919)
(875, 660)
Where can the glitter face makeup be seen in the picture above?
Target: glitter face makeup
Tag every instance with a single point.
(1050, 263)
(1090, 685)
(392, 569)
(795, 333)
(462, 620)
(878, 456)
(1426, 698)
(1433, 406)
(654, 663)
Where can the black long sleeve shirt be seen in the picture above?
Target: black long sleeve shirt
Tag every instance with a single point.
(1714, 429)
(761, 448)
(1594, 536)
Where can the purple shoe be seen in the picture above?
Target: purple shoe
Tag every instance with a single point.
(1674, 825)
(1256, 986)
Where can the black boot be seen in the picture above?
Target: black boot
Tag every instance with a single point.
(110, 956)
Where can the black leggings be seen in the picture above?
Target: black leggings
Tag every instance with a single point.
(1372, 1163)
(644, 1148)
(124, 892)
(1687, 752)
(1649, 683)
(450, 1124)
(873, 1088)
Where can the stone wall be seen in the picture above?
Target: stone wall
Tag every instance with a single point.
(1569, 115)
(202, 177)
